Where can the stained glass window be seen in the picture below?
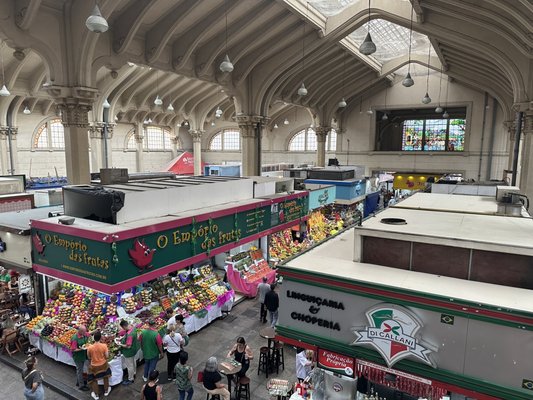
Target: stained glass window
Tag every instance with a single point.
(433, 135)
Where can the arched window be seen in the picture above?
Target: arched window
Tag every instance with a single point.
(130, 141)
(305, 140)
(50, 136)
(226, 140)
(155, 138)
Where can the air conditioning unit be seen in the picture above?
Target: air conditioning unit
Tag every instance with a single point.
(504, 191)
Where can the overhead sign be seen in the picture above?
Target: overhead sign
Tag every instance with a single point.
(336, 362)
(409, 181)
(321, 197)
(111, 266)
(393, 332)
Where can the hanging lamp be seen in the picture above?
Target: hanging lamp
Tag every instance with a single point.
(157, 101)
(385, 117)
(96, 22)
(3, 92)
(26, 110)
(226, 65)
(218, 112)
(302, 91)
(408, 81)
(426, 99)
(367, 47)
(446, 115)
(342, 103)
(286, 122)
(170, 107)
(106, 104)
(439, 109)
(276, 126)
(213, 123)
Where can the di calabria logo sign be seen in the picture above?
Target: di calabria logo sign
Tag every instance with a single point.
(393, 332)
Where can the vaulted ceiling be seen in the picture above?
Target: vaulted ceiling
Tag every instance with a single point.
(172, 48)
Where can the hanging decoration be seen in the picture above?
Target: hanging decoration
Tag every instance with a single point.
(3, 91)
(226, 65)
(302, 91)
(439, 109)
(426, 99)
(408, 81)
(342, 103)
(368, 47)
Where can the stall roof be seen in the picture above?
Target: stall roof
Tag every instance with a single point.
(450, 203)
(334, 259)
(17, 221)
(477, 231)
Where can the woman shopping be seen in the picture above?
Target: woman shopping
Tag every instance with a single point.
(183, 373)
(172, 342)
(33, 381)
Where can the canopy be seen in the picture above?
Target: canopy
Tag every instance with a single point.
(182, 164)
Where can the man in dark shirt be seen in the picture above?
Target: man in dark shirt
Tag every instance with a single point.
(272, 304)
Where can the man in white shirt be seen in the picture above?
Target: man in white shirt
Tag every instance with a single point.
(262, 289)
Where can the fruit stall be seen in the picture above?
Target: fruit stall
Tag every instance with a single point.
(198, 295)
(246, 270)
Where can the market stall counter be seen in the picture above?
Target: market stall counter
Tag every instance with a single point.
(246, 270)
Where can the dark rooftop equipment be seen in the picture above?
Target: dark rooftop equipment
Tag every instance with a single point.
(331, 174)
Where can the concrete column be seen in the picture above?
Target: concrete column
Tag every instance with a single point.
(4, 156)
(14, 146)
(251, 127)
(321, 139)
(76, 123)
(197, 150)
(175, 144)
(96, 148)
(510, 127)
(139, 154)
(526, 167)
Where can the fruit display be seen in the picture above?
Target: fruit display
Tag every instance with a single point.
(146, 296)
(251, 265)
(129, 304)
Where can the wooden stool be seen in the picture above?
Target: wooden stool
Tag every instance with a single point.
(212, 396)
(263, 361)
(279, 356)
(243, 388)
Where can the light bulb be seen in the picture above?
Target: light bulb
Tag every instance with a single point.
(170, 107)
(370, 112)
(276, 126)
(367, 47)
(4, 92)
(95, 22)
(186, 123)
(439, 109)
(158, 101)
(342, 103)
(426, 99)
(26, 110)
(445, 115)
(408, 81)
(212, 123)
(286, 122)
(385, 117)
(226, 65)
(106, 104)
(302, 91)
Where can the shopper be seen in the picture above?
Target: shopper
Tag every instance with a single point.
(25, 307)
(130, 346)
(213, 381)
(151, 390)
(98, 353)
(262, 289)
(304, 363)
(177, 320)
(272, 304)
(183, 373)
(33, 381)
(172, 342)
(242, 353)
(152, 347)
(79, 355)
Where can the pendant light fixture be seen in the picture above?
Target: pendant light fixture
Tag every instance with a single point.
(342, 103)
(3, 92)
(170, 107)
(385, 116)
(286, 122)
(157, 101)
(276, 126)
(361, 105)
(213, 123)
(439, 109)
(26, 111)
(186, 123)
(426, 99)
(218, 112)
(302, 91)
(96, 22)
(226, 65)
(446, 115)
(408, 81)
(367, 47)
(106, 104)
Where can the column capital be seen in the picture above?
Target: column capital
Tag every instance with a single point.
(322, 133)
(4, 131)
(249, 120)
(196, 135)
(527, 123)
(175, 140)
(74, 102)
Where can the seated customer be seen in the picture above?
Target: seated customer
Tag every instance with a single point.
(213, 381)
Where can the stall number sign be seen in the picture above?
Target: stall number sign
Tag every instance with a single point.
(336, 362)
(24, 283)
(393, 332)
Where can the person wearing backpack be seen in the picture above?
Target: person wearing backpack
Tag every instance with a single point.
(130, 347)
(33, 381)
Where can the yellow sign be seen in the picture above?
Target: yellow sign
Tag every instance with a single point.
(411, 181)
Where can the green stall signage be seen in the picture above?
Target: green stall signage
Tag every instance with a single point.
(113, 266)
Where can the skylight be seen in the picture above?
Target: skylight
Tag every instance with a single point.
(331, 7)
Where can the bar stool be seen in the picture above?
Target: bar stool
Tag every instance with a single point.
(263, 361)
(212, 396)
(279, 356)
(243, 388)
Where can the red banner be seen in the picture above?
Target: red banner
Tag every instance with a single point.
(336, 362)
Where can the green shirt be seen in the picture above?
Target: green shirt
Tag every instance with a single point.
(182, 377)
(78, 356)
(149, 344)
(5, 278)
(131, 351)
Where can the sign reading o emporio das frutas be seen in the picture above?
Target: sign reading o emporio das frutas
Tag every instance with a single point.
(111, 263)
